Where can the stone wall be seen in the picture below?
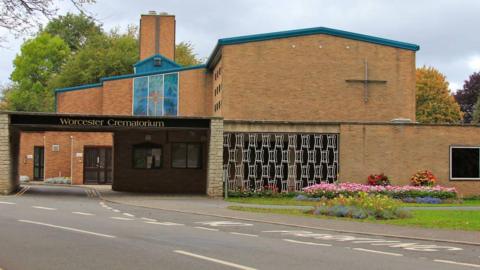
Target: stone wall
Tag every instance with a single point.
(215, 159)
(7, 185)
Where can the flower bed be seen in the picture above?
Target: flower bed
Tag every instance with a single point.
(361, 206)
(398, 192)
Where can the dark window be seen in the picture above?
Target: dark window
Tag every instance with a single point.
(187, 155)
(465, 163)
(147, 156)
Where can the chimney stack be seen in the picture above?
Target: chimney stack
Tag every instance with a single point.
(157, 35)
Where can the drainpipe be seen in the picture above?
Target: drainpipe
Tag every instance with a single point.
(71, 160)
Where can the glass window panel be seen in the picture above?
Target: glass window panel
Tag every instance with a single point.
(139, 161)
(171, 94)
(170, 106)
(140, 92)
(179, 155)
(155, 96)
(465, 163)
(145, 157)
(157, 157)
(171, 85)
(194, 156)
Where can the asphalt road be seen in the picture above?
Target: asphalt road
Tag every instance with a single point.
(71, 228)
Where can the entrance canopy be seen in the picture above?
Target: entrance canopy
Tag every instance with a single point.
(69, 122)
(154, 132)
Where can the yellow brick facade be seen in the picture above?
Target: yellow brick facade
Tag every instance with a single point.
(304, 78)
(269, 86)
(399, 151)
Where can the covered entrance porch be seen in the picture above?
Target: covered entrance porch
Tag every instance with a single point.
(149, 154)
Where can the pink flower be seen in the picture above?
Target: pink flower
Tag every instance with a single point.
(354, 187)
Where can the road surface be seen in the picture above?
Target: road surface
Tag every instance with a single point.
(51, 228)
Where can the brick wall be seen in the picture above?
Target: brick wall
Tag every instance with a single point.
(303, 78)
(80, 101)
(161, 27)
(59, 163)
(28, 140)
(217, 89)
(164, 180)
(194, 93)
(401, 150)
(117, 97)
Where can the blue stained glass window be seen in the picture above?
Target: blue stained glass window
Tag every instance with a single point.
(156, 95)
(140, 86)
(171, 94)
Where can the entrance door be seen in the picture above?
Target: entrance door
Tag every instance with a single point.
(97, 165)
(38, 162)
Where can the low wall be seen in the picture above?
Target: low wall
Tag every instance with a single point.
(399, 150)
(396, 149)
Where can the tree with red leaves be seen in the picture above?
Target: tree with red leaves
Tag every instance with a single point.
(468, 96)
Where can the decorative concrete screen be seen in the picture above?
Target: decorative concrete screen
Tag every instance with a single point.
(289, 162)
(156, 95)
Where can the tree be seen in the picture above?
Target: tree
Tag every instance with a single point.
(476, 113)
(102, 56)
(468, 96)
(110, 55)
(434, 102)
(74, 29)
(21, 16)
(39, 58)
(4, 89)
(184, 54)
(73, 50)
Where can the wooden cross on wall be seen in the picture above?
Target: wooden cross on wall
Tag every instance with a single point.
(366, 81)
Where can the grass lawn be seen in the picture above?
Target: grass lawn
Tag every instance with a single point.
(291, 201)
(442, 219)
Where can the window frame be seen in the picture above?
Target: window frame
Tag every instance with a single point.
(147, 146)
(451, 178)
(186, 155)
(148, 93)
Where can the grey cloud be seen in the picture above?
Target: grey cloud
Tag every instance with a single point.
(444, 29)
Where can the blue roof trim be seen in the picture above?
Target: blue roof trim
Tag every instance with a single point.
(119, 77)
(80, 87)
(156, 55)
(311, 31)
(148, 64)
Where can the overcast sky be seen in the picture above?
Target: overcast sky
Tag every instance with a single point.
(446, 30)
